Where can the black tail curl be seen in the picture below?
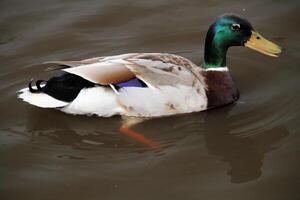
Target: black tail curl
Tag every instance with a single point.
(64, 87)
(38, 89)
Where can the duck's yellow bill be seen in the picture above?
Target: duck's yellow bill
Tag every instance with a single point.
(262, 45)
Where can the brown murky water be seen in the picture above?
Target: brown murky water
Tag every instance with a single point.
(249, 150)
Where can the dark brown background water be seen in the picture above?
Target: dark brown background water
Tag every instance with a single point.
(249, 150)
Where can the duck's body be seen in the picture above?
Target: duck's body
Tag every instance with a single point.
(170, 84)
(149, 84)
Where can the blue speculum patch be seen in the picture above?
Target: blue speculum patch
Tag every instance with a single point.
(130, 83)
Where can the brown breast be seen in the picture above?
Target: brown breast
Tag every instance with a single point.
(220, 88)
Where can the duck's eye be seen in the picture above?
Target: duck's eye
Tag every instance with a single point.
(235, 27)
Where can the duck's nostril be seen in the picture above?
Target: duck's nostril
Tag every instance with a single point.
(258, 37)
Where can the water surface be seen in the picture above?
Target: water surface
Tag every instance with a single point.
(249, 150)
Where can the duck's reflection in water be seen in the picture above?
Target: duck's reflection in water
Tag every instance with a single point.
(245, 155)
(92, 133)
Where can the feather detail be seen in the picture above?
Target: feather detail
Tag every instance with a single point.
(154, 69)
(103, 73)
(67, 64)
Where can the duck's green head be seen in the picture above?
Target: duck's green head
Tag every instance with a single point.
(232, 30)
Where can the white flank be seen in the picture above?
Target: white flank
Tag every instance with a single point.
(40, 99)
(100, 101)
(166, 100)
(221, 69)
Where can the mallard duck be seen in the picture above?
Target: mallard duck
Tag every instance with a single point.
(150, 84)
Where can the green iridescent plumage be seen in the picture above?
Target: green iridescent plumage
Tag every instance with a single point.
(221, 35)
